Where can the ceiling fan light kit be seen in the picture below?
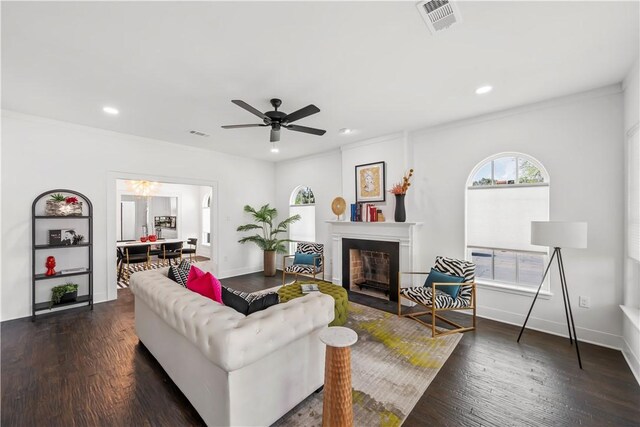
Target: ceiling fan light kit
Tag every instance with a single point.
(278, 120)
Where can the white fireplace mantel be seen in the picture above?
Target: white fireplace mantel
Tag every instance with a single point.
(401, 232)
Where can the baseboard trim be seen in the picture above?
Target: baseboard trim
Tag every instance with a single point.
(632, 360)
(590, 336)
(240, 271)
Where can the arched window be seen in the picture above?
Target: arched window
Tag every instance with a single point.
(206, 220)
(504, 194)
(302, 202)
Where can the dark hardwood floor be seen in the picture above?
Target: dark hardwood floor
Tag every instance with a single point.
(87, 369)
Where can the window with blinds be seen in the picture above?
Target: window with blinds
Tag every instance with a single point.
(302, 202)
(504, 194)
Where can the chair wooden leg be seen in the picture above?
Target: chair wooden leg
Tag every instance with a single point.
(433, 320)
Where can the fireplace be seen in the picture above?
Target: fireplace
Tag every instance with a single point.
(371, 267)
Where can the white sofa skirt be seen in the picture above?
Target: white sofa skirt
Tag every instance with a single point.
(257, 394)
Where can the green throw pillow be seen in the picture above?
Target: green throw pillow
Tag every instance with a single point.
(436, 277)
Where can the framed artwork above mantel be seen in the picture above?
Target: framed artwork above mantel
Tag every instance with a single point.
(370, 182)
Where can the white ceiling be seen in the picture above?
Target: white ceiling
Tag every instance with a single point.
(170, 67)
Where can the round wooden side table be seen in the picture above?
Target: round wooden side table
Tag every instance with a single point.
(337, 406)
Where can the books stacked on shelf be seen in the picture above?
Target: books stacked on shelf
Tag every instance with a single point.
(365, 212)
(308, 288)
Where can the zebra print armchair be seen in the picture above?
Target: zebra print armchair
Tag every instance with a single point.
(465, 299)
(308, 260)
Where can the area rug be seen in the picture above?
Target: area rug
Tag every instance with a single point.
(126, 272)
(393, 363)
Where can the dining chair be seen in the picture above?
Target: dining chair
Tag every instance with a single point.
(193, 243)
(170, 251)
(136, 254)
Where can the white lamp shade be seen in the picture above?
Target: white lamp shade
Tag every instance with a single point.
(559, 234)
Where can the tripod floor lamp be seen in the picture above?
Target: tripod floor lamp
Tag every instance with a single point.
(557, 235)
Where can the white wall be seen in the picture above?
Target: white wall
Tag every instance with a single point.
(32, 152)
(631, 300)
(323, 174)
(578, 139)
(573, 137)
(392, 149)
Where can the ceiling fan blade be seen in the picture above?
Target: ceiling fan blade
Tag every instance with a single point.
(301, 113)
(250, 109)
(242, 126)
(275, 135)
(305, 129)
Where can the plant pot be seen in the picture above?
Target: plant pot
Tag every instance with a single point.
(269, 263)
(54, 208)
(68, 297)
(400, 215)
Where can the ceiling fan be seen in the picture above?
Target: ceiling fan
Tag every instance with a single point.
(278, 120)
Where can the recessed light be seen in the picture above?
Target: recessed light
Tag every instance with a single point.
(484, 89)
(110, 110)
(345, 131)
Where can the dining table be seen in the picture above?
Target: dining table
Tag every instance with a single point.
(123, 244)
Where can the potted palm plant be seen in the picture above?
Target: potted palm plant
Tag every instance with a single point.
(267, 237)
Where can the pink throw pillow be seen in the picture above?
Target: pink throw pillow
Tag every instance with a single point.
(194, 273)
(206, 285)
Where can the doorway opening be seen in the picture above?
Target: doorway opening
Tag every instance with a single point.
(158, 224)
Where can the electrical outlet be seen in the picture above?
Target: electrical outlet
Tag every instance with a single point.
(584, 302)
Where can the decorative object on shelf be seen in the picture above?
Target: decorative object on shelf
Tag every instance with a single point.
(400, 214)
(59, 205)
(64, 237)
(559, 234)
(66, 241)
(63, 293)
(380, 216)
(267, 240)
(145, 230)
(152, 237)
(400, 190)
(143, 239)
(370, 181)
(338, 206)
(50, 264)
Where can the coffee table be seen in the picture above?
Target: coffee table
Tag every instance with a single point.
(337, 292)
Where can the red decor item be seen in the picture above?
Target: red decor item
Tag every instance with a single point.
(143, 239)
(205, 284)
(71, 200)
(50, 264)
(152, 237)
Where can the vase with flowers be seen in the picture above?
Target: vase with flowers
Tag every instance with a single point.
(400, 190)
(59, 205)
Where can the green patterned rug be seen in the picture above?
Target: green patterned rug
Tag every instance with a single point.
(392, 364)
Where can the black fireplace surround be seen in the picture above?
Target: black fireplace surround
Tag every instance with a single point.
(391, 248)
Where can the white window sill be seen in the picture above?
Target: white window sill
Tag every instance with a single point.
(633, 313)
(512, 289)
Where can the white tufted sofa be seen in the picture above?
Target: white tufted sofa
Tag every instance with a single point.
(235, 370)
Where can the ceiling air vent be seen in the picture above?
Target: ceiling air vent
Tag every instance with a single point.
(197, 133)
(439, 14)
